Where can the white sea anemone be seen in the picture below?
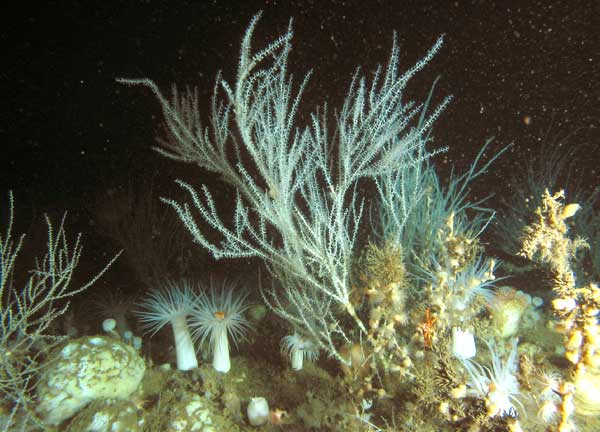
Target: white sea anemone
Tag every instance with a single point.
(548, 411)
(172, 305)
(216, 316)
(498, 385)
(299, 347)
(548, 397)
(472, 282)
(549, 380)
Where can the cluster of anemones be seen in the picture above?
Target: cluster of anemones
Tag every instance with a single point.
(215, 315)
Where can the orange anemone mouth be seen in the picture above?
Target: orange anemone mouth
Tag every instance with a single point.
(220, 315)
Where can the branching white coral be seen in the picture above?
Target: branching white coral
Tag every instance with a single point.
(298, 200)
(218, 316)
(30, 302)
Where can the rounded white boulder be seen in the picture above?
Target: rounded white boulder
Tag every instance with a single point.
(84, 370)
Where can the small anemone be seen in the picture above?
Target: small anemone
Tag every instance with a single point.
(473, 282)
(113, 304)
(299, 347)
